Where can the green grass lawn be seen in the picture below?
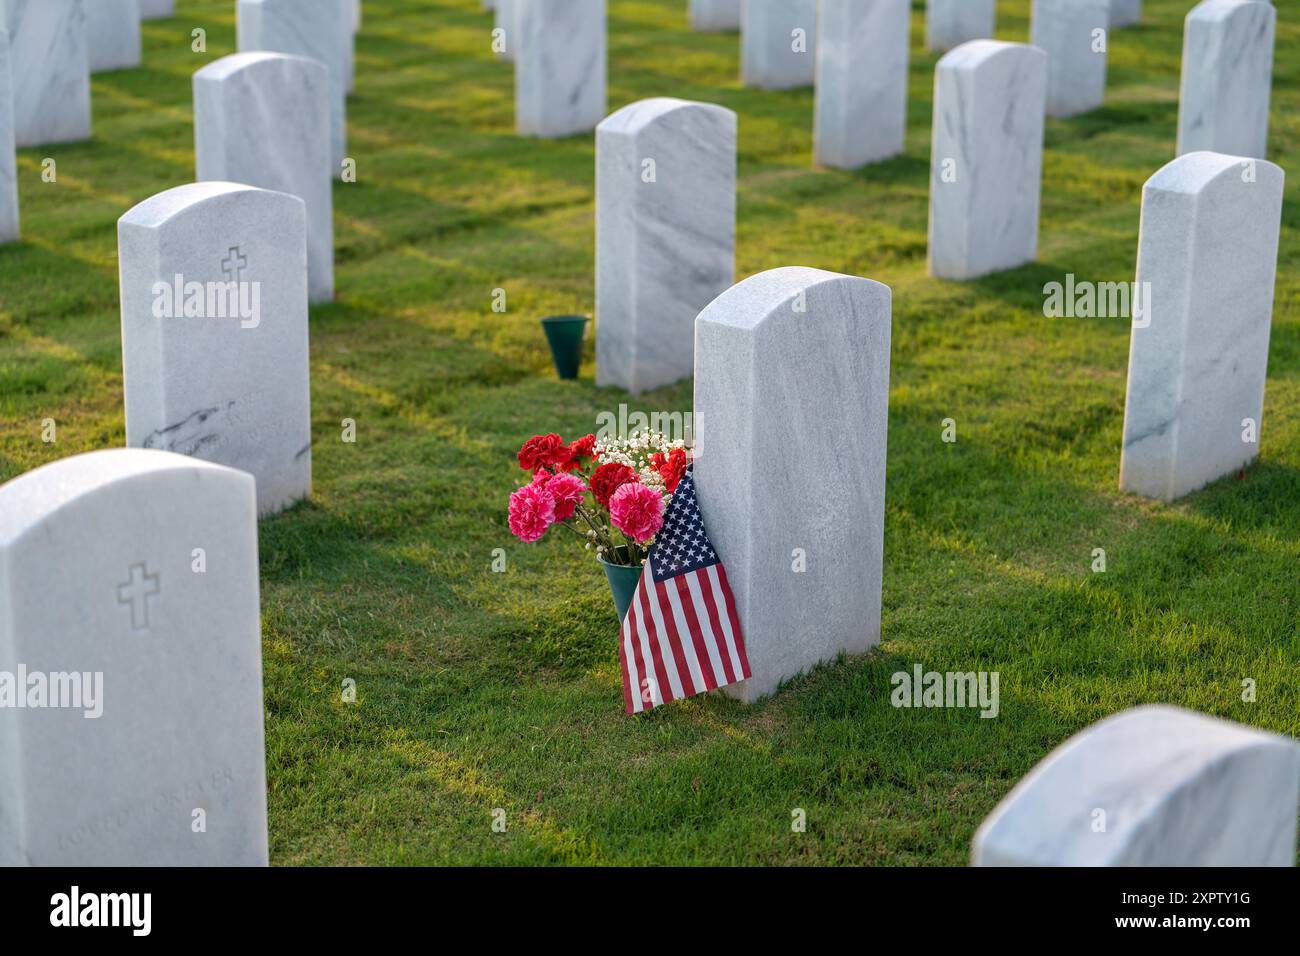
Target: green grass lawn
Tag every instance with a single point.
(478, 690)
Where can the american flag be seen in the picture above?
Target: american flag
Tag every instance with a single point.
(681, 635)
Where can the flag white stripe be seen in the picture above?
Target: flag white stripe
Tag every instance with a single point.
(701, 682)
(665, 649)
(719, 600)
(711, 641)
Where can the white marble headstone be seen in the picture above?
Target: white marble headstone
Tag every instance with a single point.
(156, 9)
(318, 29)
(507, 20)
(778, 43)
(132, 577)
(1227, 75)
(112, 34)
(1152, 786)
(986, 158)
(1198, 357)
(1073, 34)
(214, 332)
(559, 67)
(950, 23)
(263, 119)
(353, 13)
(860, 114)
(795, 358)
(665, 235)
(1125, 13)
(51, 70)
(8, 153)
(715, 16)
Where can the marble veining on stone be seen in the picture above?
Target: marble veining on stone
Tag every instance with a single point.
(113, 34)
(795, 358)
(1152, 786)
(317, 29)
(778, 43)
(218, 385)
(950, 23)
(263, 119)
(1073, 35)
(665, 235)
(1207, 253)
(986, 158)
(560, 67)
(860, 113)
(51, 70)
(8, 151)
(1227, 75)
(98, 577)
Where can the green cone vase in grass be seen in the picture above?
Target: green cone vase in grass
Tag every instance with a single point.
(622, 584)
(564, 333)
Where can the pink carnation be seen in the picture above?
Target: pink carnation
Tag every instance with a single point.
(567, 491)
(532, 511)
(637, 511)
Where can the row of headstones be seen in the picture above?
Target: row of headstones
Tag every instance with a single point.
(133, 653)
(948, 23)
(801, 357)
(216, 276)
(46, 58)
(856, 53)
(665, 249)
(149, 554)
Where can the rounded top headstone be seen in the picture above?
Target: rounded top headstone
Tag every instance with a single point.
(31, 497)
(1161, 775)
(170, 204)
(751, 302)
(233, 63)
(1223, 9)
(974, 54)
(1192, 172)
(637, 116)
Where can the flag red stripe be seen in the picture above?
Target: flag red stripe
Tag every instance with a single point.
(730, 602)
(674, 639)
(711, 603)
(696, 632)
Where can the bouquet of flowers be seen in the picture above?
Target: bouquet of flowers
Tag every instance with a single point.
(611, 493)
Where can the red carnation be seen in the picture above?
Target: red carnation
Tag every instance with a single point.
(671, 467)
(541, 451)
(607, 479)
(571, 455)
(584, 447)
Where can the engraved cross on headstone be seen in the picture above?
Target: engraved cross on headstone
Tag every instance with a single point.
(136, 591)
(234, 264)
